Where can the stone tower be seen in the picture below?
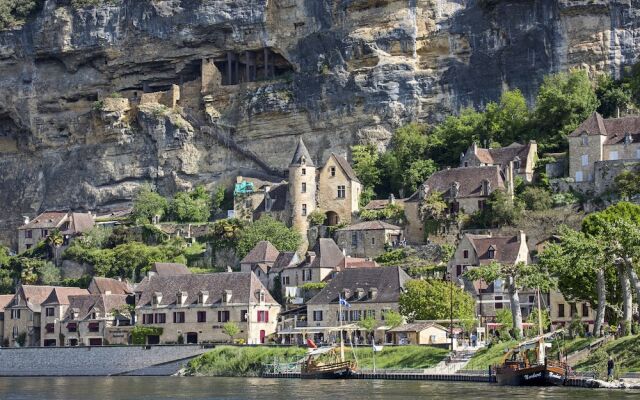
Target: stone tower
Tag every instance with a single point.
(302, 188)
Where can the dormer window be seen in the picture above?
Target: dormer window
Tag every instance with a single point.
(516, 163)
(157, 298)
(486, 187)
(491, 252)
(262, 296)
(227, 296)
(373, 293)
(359, 293)
(181, 298)
(203, 296)
(455, 189)
(585, 139)
(346, 293)
(627, 138)
(303, 160)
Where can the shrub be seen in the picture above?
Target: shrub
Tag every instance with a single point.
(317, 217)
(139, 333)
(147, 204)
(393, 256)
(536, 199)
(194, 206)
(267, 228)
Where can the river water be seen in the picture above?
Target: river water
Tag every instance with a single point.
(200, 388)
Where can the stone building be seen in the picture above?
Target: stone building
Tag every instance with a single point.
(368, 239)
(370, 292)
(465, 190)
(333, 188)
(598, 141)
(69, 224)
(260, 260)
(4, 300)
(195, 308)
(89, 319)
(523, 157)
(54, 309)
(562, 312)
(477, 250)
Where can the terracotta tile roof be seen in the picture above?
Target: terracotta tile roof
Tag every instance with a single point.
(417, 326)
(46, 220)
(34, 295)
(354, 262)
(100, 285)
(506, 248)
(86, 304)
(60, 295)
(263, 252)
(503, 155)
(389, 282)
(4, 300)
(371, 226)
(301, 151)
(614, 128)
(243, 285)
(81, 222)
(470, 179)
(170, 269)
(346, 167)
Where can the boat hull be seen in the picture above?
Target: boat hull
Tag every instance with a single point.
(345, 373)
(539, 375)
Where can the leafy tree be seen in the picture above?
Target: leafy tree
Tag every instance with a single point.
(367, 168)
(48, 273)
(368, 324)
(452, 137)
(55, 240)
(317, 217)
(6, 280)
(533, 320)
(217, 200)
(230, 329)
(14, 12)
(516, 277)
(627, 184)
(507, 121)
(614, 97)
(576, 327)
(431, 299)
(505, 318)
(147, 204)
(500, 210)
(536, 198)
(563, 102)
(96, 238)
(267, 228)
(194, 206)
(393, 319)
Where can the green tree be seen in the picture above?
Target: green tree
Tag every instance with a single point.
(367, 168)
(267, 228)
(15, 12)
(454, 135)
(563, 102)
(230, 329)
(317, 217)
(55, 240)
(393, 319)
(146, 205)
(432, 299)
(507, 121)
(536, 198)
(48, 273)
(533, 320)
(217, 200)
(627, 184)
(368, 324)
(505, 318)
(500, 210)
(193, 206)
(614, 96)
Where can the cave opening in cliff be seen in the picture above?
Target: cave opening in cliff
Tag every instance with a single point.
(251, 66)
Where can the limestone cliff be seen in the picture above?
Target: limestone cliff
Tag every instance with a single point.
(94, 102)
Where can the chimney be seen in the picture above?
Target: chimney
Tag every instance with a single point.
(510, 179)
(229, 269)
(26, 219)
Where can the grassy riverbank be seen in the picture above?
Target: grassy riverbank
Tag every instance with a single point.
(624, 352)
(252, 361)
(489, 356)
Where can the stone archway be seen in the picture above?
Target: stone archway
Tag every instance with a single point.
(332, 218)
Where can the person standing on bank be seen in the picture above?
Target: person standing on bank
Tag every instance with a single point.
(610, 367)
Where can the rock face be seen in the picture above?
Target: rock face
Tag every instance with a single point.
(95, 102)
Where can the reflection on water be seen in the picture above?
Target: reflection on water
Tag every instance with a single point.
(156, 388)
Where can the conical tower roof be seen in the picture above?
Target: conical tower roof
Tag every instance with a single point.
(300, 154)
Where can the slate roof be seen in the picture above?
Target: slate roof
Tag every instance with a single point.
(301, 151)
(614, 128)
(381, 204)
(80, 223)
(506, 248)
(417, 326)
(263, 252)
(5, 299)
(346, 167)
(243, 285)
(60, 295)
(470, 179)
(46, 220)
(389, 281)
(371, 226)
(286, 259)
(100, 285)
(86, 304)
(279, 195)
(503, 155)
(170, 269)
(328, 254)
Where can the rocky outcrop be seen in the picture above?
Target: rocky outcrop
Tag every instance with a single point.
(251, 75)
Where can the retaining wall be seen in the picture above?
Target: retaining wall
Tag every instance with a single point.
(92, 360)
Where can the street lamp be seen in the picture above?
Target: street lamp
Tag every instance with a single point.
(448, 278)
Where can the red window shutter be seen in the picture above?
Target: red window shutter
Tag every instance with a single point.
(266, 316)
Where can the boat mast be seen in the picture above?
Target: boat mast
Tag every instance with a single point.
(541, 349)
(341, 337)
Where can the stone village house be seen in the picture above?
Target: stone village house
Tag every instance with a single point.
(368, 239)
(70, 224)
(523, 157)
(260, 260)
(599, 145)
(465, 190)
(370, 292)
(333, 188)
(476, 250)
(194, 308)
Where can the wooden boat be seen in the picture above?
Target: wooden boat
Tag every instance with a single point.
(519, 368)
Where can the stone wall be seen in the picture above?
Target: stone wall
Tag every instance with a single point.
(89, 361)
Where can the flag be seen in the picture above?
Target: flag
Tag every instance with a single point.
(344, 303)
(377, 348)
